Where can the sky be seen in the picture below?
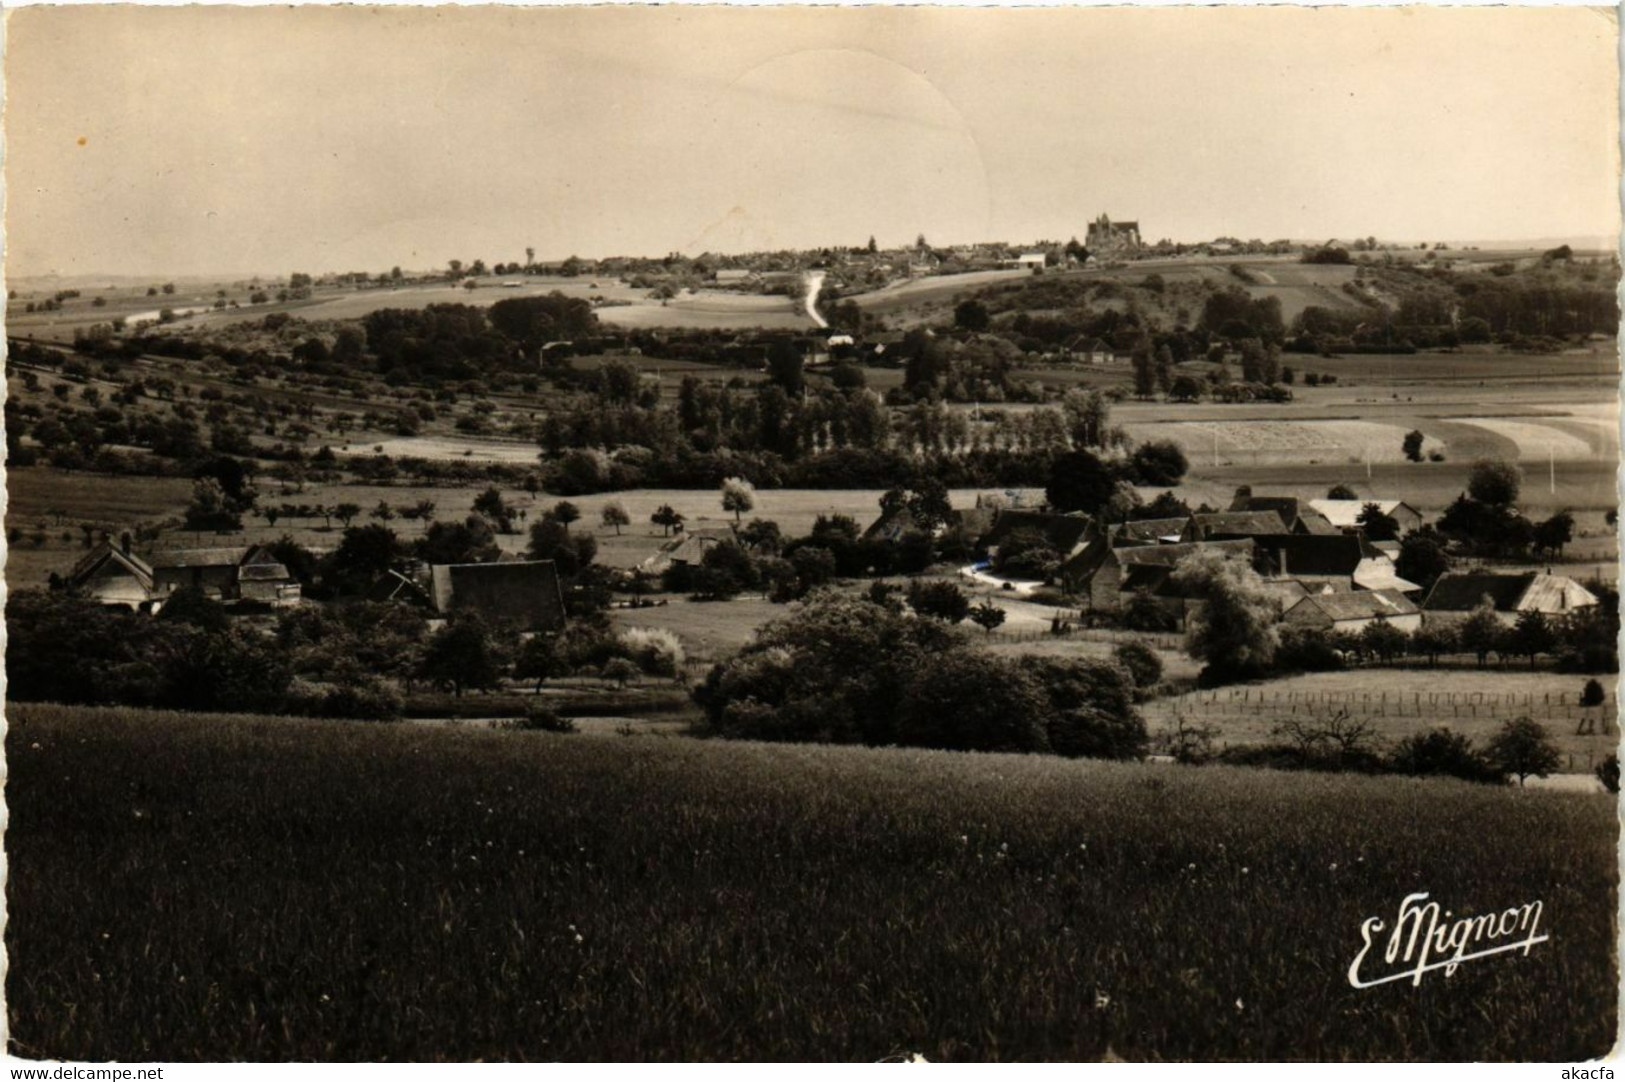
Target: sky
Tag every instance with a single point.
(196, 140)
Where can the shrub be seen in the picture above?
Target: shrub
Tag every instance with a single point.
(940, 599)
(656, 651)
(1307, 650)
(1141, 661)
(1440, 751)
(1608, 773)
(619, 670)
(541, 717)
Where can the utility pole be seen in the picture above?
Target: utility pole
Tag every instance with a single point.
(1551, 470)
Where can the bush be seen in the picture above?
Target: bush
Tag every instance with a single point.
(656, 651)
(1142, 663)
(1307, 650)
(1608, 773)
(541, 717)
(1441, 751)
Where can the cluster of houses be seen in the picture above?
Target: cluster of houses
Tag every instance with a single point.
(249, 579)
(1312, 554)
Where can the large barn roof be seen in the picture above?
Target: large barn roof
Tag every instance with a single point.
(526, 594)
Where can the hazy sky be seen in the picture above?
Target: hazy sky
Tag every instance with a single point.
(195, 140)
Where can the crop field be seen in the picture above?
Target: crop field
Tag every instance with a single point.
(711, 311)
(1401, 702)
(205, 887)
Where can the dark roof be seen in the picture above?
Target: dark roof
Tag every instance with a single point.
(1361, 604)
(208, 557)
(1148, 530)
(1295, 514)
(1064, 532)
(1314, 554)
(1219, 524)
(1462, 591)
(1169, 555)
(526, 594)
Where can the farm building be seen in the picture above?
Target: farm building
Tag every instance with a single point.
(1353, 611)
(1297, 516)
(113, 575)
(525, 593)
(1093, 350)
(687, 548)
(1065, 533)
(1458, 593)
(225, 574)
(892, 526)
(1104, 575)
(1228, 525)
(729, 277)
(1029, 261)
(212, 570)
(1340, 561)
(1345, 514)
(1148, 531)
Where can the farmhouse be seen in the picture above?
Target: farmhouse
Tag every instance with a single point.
(1029, 261)
(1353, 611)
(1345, 514)
(1106, 575)
(1093, 350)
(211, 570)
(1148, 531)
(893, 526)
(1227, 525)
(687, 548)
(1295, 514)
(1066, 534)
(250, 574)
(1339, 561)
(525, 593)
(113, 575)
(1458, 593)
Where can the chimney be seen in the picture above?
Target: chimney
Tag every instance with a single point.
(124, 542)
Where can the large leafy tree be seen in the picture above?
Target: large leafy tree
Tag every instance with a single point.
(1079, 481)
(1234, 630)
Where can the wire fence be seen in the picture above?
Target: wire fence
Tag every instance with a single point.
(1436, 705)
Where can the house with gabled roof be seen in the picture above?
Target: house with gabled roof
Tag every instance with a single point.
(1066, 534)
(1229, 525)
(1148, 531)
(113, 575)
(1339, 561)
(1458, 593)
(687, 548)
(1354, 610)
(1104, 575)
(1345, 514)
(225, 573)
(1297, 516)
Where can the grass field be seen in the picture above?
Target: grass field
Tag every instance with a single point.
(196, 887)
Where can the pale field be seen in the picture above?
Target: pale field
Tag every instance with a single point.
(705, 310)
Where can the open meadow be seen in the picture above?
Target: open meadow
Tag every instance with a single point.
(192, 887)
